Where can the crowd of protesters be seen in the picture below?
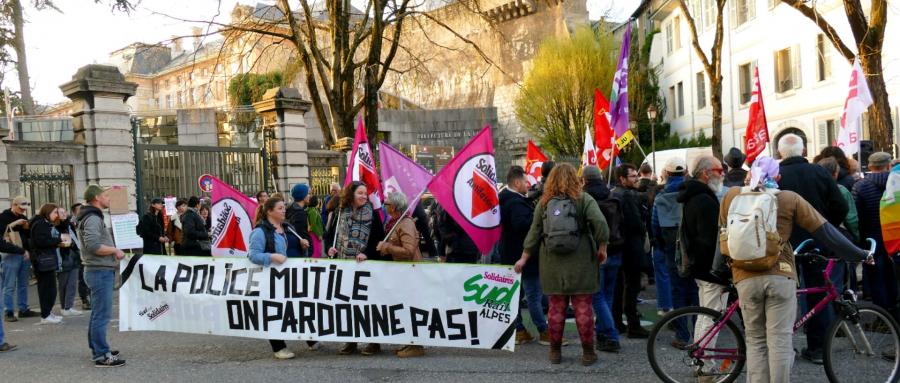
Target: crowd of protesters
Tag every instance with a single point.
(627, 224)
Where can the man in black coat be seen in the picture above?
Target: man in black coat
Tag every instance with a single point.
(516, 214)
(816, 186)
(426, 245)
(151, 228)
(634, 232)
(459, 247)
(194, 229)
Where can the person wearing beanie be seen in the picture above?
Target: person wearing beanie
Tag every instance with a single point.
(297, 216)
(736, 173)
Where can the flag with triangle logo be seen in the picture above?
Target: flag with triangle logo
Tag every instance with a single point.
(534, 163)
(467, 189)
(232, 220)
(362, 166)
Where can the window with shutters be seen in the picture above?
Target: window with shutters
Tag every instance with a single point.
(677, 29)
(827, 131)
(670, 36)
(787, 69)
(742, 11)
(701, 91)
(745, 82)
(680, 96)
(673, 102)
(823, 58)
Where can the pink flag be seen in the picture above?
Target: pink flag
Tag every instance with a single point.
(858, 100)
(402, 174)
(362, 166)
(467, 189)
(232, 219)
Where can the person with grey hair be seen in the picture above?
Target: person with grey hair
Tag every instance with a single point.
(880, 279)
(819, 188)
(851, 223)
(402, 244)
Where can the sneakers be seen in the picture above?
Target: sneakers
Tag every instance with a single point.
(109, 361)
(638, 332)
(71, 313)
(522, 337)
(50, 319)
(814, 356)
(7, 347)
(608, 345)
(284, 353)
(544, 338)
(411, 352)
(28, 314)
(371, 349)
(9, 317)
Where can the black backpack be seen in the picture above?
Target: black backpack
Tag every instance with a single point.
(612, 211)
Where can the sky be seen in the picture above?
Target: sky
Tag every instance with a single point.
(85, 33)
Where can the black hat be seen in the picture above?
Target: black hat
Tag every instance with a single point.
(156, 201)
(734, 158)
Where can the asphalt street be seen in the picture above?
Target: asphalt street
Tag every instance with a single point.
(59, 353)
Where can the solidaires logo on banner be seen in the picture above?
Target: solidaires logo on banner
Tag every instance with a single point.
(230, 222)
(475, 192)
(431, 304)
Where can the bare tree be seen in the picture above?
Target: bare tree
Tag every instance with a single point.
(712, 65)
(868, 38)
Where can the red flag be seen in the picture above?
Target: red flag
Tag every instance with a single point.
(604, 137)
(534, 162)
(467, 189)
(757, 135)
(232, 218)
(362, 166)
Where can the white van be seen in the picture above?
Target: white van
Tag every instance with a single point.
(688, 154)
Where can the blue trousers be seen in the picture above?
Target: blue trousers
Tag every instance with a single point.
(880, 283)
(534, 296)
(101, 284)
(604, 323)
(16, 272)
(663, 282)
(684, 294)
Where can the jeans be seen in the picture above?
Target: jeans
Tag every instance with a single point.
(606, 324)
(101, 284)
(16, 272)
(663, 283)
(811, 276)
(2, 339)
(768, 304)
(68, 280)
(684, 294)
(534, 296)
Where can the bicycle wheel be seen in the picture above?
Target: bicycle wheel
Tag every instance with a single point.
(673, 348)
(863, 347)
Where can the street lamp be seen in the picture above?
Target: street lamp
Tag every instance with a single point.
(651, 114)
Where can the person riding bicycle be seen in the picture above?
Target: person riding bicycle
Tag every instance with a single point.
(768, 296)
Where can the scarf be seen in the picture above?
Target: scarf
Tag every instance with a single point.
(353, 231)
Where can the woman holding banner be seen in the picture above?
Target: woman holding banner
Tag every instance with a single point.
(354, 233)
(268, 245)
(402, 245)
(568, 273)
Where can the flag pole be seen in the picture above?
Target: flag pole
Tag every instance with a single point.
(409, 206)
(612, 149)
(337, 228)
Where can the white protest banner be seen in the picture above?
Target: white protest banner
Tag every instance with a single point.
(428, 304)
(124, 228)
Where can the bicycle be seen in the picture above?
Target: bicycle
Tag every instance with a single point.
(854, 347)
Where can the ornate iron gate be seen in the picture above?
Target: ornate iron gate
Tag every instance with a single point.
(43, 184)
(173, 170)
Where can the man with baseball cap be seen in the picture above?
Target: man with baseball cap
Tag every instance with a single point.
(16, 265)
(100, 258)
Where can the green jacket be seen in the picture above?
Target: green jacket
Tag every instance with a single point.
(576, 273)
(851, 223)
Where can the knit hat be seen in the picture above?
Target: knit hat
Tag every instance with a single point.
(299, 192)
(675, 165)
(591, 173)
(92, 191)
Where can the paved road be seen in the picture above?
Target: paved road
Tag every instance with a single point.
(59, 353)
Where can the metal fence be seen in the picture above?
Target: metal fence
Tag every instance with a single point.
(171, 170)
(43, 184)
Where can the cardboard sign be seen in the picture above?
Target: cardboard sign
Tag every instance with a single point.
(118, 200)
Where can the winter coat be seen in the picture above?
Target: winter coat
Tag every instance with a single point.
(403, 245)
(6, 218)
(264, 241)
(193, 232)
(846, 179)
(426, 245)
(735, 177)
(150, 228)
(68, 255)
(516, 215)
(867, 194)
(577, 272)
(634, 229)
(700, 227)
(666, 213)
(299, 219)
(45, 242)
(816, 186)
(459, 247)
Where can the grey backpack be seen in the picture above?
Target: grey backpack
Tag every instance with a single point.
(561, 229)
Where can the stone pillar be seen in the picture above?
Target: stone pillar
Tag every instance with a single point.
(5, 198)
(282, 111)
(101, 122)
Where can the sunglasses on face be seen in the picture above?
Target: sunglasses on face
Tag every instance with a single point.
(25, 204)
(718, 170)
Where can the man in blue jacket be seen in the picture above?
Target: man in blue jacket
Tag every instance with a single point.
(879, 279)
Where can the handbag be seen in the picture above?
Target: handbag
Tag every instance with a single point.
(13, 237)
(46, 262)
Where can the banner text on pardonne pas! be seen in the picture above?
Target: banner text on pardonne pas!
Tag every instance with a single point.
(326, 300)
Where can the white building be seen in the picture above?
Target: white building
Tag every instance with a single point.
(804, 79)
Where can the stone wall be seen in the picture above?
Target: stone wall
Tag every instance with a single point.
(197, 127)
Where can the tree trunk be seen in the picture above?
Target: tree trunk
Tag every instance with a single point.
(881, 130)
(21, 60)
(716, 104)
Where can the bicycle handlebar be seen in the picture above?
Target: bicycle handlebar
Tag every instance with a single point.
(797, 252)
